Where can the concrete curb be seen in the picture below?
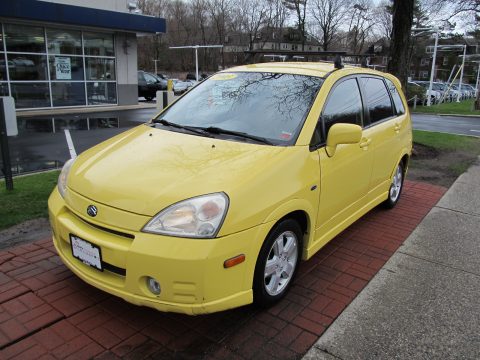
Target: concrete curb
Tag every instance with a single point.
(453, 115)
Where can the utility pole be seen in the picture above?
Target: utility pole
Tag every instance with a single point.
(429, 94)
(196, 47)
(461, 73)
(155, 61)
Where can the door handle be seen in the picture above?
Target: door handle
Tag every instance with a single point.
(397, 128)
(365, 142)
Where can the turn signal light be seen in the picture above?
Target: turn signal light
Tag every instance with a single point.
(234, 261)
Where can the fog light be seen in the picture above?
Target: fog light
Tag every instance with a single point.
(153, 285)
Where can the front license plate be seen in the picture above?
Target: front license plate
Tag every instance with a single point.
(86, 252)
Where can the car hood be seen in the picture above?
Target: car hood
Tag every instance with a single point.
(146, 169)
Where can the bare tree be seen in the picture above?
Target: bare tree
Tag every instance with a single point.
(253, 15)
(329, 16)
(300, 9)
(220, 12)
(361, 25)
(383, 15)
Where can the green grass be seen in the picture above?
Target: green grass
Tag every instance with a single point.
(28, 200)
(462, 108)
(457, 152)
(447, 142)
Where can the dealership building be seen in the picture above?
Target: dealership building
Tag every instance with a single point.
(71, 53)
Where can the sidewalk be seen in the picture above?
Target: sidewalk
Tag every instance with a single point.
(425, 302)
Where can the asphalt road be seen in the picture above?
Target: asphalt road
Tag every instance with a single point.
(461, 125)
(42, 144)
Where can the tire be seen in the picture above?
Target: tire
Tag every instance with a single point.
(396, 187)
(281, 252)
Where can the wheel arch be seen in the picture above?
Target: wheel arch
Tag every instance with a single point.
(301, 211)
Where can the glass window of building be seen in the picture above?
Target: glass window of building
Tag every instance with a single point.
(31, 95)
(98, 44)
(3, 67)
(3, 89)
(99, 93)
(49, 67)
(68, 93)
(100, 69)
(23, 38)
(66, 67)
(64, 42)
(25, 67)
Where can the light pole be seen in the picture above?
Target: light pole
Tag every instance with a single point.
(433, 69)
(196, 47)
(461, 73)
(155, 61)
(476, 83)
(429, 96)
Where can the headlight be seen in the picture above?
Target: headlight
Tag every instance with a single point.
(62, 179)
(198, 217)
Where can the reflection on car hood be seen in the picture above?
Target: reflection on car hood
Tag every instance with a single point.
(146, 169)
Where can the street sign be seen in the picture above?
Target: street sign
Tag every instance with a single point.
(10, 115)
(8, 127)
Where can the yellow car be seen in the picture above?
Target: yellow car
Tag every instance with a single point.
(213, 203)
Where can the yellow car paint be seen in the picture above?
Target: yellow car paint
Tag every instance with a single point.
(133, 176)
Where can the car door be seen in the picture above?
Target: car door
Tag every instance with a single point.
(152, 83)
(384, 125)
(142, 84)
(344, 177)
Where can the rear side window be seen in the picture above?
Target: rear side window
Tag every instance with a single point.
(397, 100)
(344, 105)
(150, 79)
(378, 101)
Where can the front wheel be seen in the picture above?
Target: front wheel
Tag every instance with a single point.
(396, 187)
(277, 263)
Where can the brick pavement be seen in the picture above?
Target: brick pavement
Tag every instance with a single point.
(46, 312)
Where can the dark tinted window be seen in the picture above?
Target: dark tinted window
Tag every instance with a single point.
(273, 106)
(150, 79)
(21, 38)
(397, 100)
(344, 105)
(377, 99)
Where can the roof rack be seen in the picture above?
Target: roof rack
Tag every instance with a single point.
(289, 55)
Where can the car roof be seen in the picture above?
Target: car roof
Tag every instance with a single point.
(320, 69)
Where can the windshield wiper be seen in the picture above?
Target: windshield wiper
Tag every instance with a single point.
(217, 130)
(178, 126)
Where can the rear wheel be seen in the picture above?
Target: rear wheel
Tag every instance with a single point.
(396, 187)
(277, 263)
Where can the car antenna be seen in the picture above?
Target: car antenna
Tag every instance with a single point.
(338, 62)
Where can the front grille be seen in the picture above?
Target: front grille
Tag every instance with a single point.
(111, 231)
(115, 269)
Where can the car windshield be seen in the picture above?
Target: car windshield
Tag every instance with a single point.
(266, 105)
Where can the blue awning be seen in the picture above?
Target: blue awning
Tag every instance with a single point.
(81, 16)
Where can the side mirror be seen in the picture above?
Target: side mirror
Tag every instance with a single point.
(342, 134)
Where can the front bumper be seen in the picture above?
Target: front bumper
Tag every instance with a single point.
(190, 271)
